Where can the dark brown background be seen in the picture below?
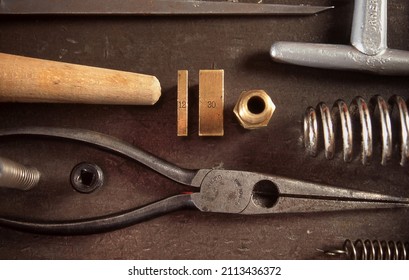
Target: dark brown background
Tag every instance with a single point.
(161, 46)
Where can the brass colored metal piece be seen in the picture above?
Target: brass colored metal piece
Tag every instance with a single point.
(254, 109)
(182, 105)
(211, 102)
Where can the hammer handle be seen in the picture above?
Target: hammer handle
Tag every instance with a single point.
(24, 79)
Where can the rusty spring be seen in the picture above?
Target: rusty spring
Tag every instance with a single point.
(372, 250)
(341, 114)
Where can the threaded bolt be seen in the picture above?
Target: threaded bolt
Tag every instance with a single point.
(16, 176)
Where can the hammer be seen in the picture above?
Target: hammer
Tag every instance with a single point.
(24, 79)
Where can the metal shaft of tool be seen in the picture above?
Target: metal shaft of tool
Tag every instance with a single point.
(150, 7)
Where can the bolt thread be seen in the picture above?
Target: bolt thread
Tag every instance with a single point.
(16, 176)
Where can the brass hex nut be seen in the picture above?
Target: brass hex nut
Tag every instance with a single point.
(254, 109)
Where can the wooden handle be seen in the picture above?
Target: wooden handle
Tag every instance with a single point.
(24, 79)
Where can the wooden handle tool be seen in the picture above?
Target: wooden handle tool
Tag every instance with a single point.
(24, 79)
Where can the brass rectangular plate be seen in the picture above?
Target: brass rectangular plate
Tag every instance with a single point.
(211, 102)
(182, 105)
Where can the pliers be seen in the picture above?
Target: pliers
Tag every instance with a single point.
(221, 191)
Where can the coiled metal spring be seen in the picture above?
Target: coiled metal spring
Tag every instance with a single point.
(373, 250)
(341, 114)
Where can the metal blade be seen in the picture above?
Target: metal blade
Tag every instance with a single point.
(150, 7)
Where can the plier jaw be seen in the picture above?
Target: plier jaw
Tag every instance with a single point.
(241, 192)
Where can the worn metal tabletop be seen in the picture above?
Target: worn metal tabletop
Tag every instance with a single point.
(160, 46)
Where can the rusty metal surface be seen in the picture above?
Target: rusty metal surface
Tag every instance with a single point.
(161, 46)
